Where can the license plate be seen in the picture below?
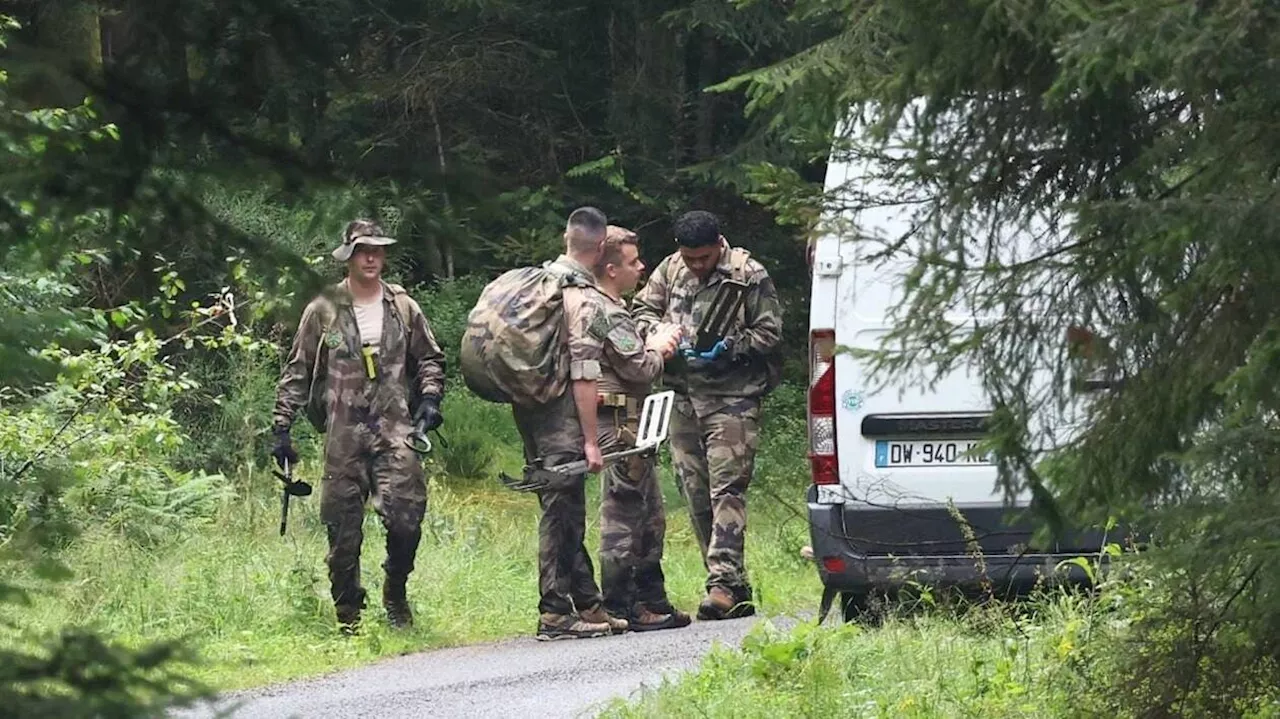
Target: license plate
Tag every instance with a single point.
(926, 453)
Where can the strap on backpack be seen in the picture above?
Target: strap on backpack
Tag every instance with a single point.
(400, 302)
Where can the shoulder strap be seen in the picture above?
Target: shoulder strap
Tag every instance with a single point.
(327, 314)
(400, 301)
(738, 257)
(574, 297)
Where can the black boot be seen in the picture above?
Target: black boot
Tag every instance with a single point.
(678, 618)
(396, 602)
(348, 605)
(348, 619)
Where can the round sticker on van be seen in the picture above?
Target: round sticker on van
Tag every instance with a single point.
(851, 400)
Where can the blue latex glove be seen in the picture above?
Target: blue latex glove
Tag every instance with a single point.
(714, 353)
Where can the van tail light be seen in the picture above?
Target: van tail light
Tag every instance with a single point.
(823, 464)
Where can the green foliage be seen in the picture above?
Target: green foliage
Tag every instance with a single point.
(78, 674)
(989, 662)
(1126, 139)
(446, 306)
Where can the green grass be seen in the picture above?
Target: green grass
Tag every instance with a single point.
(988, 662)
(256, 608)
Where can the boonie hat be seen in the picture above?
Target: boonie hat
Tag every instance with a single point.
(360, 232)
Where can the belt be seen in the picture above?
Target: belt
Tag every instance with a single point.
(618, 400)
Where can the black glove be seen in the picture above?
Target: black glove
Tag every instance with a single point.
(284, 448)
(428, 416)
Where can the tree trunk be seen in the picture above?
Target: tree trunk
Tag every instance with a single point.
(705, 143)
(446, 246)
(135, 53)
(680, 96)
(72, 30)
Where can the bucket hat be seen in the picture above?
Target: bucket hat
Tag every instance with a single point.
(360, 232)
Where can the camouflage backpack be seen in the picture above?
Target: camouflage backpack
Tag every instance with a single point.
(317, 408)
(514, 349)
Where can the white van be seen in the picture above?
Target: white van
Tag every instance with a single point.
(888, 466)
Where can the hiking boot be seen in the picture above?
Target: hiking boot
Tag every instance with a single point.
(348, 619)
(598, 615)
(721, 604)
(395, 601)
(643, 620)
(568, 626)
(678, 618)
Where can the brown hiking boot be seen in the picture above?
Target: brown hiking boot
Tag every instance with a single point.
(721, 604)
(568, 626)
(396, 602)
(643, 620)
(598, 615)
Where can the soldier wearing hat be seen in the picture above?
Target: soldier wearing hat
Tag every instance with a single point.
(367, 370)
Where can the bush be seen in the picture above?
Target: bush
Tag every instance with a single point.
(104, 438)
(446, 306)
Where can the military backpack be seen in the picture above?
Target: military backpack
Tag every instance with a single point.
(515, 346)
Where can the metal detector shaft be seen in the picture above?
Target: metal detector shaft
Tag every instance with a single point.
(580, 466)
(654, 423)
(284, 498)
(284, 510)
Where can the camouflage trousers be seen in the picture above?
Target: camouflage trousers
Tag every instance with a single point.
(633, 522)
(714, 454)
(360, 465)
(566, 578)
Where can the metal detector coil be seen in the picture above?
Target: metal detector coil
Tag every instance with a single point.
(418, 441)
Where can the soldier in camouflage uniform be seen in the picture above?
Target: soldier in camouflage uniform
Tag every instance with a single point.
(373, 349)
(565, 430)
(632, 519)
(716, 421)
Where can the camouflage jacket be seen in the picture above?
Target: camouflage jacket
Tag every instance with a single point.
(674, 295)
(326, 351)
(627, 367)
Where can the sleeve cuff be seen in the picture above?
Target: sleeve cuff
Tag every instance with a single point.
(586, 370)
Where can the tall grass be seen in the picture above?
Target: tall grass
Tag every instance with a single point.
(256, 605)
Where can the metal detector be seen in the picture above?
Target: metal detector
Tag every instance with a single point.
(291, 489)
(654, 426)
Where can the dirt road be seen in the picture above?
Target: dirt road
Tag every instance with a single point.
(520, 678)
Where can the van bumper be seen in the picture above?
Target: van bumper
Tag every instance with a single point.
(858, 549)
